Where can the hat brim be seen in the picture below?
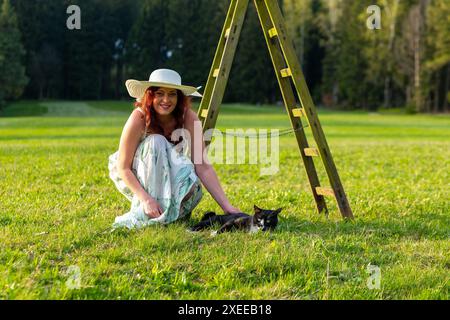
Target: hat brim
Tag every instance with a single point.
(136, 88)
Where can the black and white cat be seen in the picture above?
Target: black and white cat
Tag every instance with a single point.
(265, 220)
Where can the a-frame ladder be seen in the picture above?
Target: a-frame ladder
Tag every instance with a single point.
(288, 72)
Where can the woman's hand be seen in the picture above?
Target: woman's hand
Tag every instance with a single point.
(152, 208)
(232, 210)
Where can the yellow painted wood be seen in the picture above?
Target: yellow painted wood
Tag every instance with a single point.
(297, 112)
(286, 72)
(290, 78)
(209, 93)
(324, 191)
(298, 80)
(223, 59)
(311, 152)
(204, 113)
(290, 100)
(273, 32)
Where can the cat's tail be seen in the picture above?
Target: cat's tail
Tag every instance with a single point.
(208, 215)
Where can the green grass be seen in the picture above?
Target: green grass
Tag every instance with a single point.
(57, 199)
(24, 108)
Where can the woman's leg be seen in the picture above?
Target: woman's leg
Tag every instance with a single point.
(152, 169)
(190, 201)
(189, 194)
(157, 155)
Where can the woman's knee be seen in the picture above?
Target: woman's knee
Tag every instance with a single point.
(157, 141)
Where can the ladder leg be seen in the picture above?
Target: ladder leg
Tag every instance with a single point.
(290, 102)
(298, 79)
(223, 59)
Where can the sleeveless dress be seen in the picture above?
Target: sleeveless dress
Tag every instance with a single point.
(166, 173)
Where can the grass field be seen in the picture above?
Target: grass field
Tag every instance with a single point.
(56, 200)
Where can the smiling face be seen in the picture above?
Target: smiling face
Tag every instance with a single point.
(165, 100)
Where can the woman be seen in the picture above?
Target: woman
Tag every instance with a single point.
(150, 169)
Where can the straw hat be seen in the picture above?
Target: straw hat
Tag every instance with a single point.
(160, 78)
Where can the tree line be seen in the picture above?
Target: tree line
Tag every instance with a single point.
(405, 63)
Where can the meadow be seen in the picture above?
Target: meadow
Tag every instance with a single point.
(57, 204)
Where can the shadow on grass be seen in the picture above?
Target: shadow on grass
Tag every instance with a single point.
(380, 231)
(417, 228)
(23, 109)
(57, 137)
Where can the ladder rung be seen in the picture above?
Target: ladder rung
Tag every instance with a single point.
(324, 191)
(204, 113)
(298, 112)
(311, 152)
(216, 73)
(286, 72)
(227, 33)
(273, 32)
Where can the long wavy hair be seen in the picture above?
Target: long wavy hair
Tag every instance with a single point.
(151, 123)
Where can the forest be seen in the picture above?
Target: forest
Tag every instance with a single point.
(405, 63)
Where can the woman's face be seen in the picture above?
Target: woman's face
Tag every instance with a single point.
(165, 100)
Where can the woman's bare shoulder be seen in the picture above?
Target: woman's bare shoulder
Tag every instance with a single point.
(136, 121)
(190, 120)
(190, 117)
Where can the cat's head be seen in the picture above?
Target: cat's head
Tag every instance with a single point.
(265, 219)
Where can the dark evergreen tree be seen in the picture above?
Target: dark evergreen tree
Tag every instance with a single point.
(252, 77)
(42, 23)
(345, 64)
(12, 69)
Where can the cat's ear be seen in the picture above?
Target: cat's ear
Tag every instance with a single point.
(256, 209)
(277, 211)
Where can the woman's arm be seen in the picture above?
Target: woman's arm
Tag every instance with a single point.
(129, 142)
(203, 168)
(209, 178)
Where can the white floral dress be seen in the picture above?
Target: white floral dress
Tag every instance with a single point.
(166, 173)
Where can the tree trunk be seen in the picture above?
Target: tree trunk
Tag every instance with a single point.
(436, 92)
(408, 94)
(41, 93)
(335, 94)
(387, 80)
(418, 50)
(119, 76)
(417, 93)
(447, 89)
(387, 92)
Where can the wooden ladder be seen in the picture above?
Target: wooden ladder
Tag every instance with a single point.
(288, 72)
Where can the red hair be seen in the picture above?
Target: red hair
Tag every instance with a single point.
(146, 105)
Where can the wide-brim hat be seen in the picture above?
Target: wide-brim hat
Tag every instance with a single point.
(160, 78)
